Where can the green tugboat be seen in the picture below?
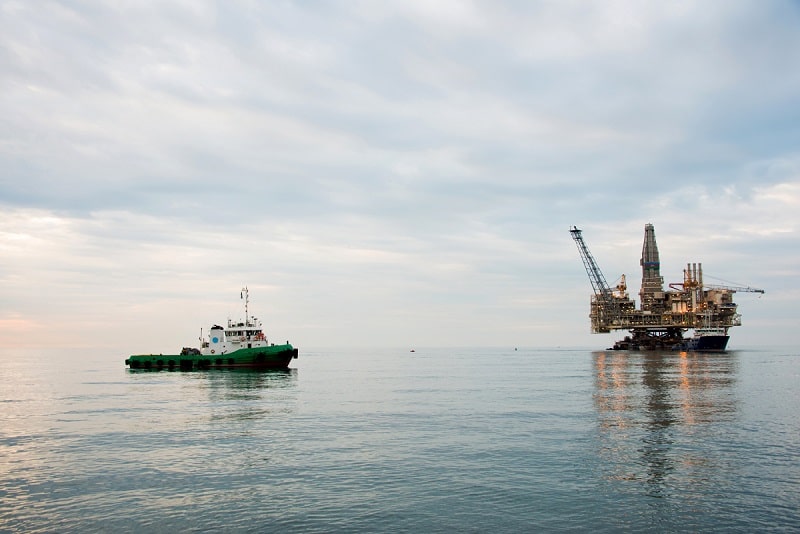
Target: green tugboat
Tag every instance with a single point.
(241, 345)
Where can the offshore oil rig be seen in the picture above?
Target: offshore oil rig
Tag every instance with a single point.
(664, 315)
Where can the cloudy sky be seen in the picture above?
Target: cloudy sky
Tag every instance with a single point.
(388, 173)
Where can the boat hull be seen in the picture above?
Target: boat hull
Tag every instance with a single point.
(712, 343)
(271, 357)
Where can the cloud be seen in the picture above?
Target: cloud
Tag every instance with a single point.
(386, 172)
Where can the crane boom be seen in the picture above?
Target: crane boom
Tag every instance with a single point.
(735, 289)
(599, 284)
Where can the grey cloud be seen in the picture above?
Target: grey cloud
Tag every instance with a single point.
(444, 147)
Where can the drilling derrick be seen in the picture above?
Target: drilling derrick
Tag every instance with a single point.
(663, 316)
(652, 293)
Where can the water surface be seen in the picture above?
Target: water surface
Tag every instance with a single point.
(437, 440)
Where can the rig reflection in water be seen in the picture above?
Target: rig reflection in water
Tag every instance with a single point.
(654, 410)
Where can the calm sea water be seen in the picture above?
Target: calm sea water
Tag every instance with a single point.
(444, 440)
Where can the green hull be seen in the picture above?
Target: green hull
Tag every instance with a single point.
(272, 357)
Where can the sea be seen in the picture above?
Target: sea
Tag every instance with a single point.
(507, 439)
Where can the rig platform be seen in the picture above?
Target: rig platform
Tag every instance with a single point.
(664, 315)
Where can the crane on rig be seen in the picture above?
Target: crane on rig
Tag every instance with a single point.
(664, 315)
(607, 307)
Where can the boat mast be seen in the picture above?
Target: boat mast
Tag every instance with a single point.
(246, 295)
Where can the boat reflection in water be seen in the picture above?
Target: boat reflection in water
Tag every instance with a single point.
(249, 379)
(248, 393)
(657, 413)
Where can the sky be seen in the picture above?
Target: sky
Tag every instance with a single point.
(389, 174)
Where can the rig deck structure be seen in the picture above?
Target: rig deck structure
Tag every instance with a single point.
(664, 315)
